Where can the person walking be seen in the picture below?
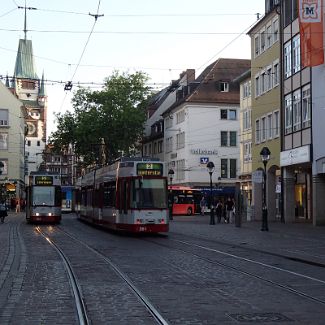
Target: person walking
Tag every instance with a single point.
(202, 205)
(229, 210)
(18, 205)
(3, 211)
(219, 209)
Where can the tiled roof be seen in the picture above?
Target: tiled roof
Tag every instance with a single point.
(25, 66)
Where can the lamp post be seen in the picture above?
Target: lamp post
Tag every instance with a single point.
(265, 156)
(171, 176)
(210, 167)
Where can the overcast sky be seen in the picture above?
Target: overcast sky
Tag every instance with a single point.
(161, 38)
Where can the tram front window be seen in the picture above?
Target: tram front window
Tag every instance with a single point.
(43, 195)
(149, 194)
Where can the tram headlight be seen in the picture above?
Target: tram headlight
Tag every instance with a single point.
(50, 214)
(37, 214)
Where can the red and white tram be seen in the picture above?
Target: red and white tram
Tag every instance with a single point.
(129, 195)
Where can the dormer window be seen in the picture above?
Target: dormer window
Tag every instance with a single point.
(224, 86)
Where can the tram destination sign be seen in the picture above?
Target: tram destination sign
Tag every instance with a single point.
(150, 169)
(43, 180)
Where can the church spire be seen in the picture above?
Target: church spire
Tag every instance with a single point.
(25, 22)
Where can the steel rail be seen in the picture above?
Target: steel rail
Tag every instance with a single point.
(81, 308)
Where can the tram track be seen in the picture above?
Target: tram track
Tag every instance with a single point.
(79, 301)
(257, 250)
(246, 260)
(144, 300)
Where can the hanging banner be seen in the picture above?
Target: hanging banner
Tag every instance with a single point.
(311, 32)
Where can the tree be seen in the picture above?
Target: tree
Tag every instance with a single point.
(113, 116)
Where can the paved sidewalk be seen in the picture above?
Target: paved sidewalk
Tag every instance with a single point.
(299, 240)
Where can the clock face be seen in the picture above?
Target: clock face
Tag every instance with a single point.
(31, 129)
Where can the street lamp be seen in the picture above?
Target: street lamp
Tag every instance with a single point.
(210, 167)
(265, 156)
(171, 176)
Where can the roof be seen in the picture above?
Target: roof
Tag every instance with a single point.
(25, 66)
(207, 90)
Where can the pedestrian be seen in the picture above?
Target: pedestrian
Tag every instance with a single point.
(229, 210)
(3, 211)
(18, 205)
(202, 206)
(219, 208)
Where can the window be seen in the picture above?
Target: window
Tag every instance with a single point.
(180, 167)
(27, 84)
(29, 143)
(224, 138)
(306, 107)
(5, 166)
(296, 110)
(263, 41)
(275, 74)
(223, 114)
(257, 131)
(246, 89)
(4, 117)
(224, 168)
(180, 140)
(263, 82)
(269, 126)
(150, 149)
(247, 124)
(257, 45)
(275, 30)
(233, 168)
(155, 148)
(169, 144)
(233, 138)
(287, 60)
(3, 141)
(296, 54)
(276, 124)
(269, 36)
(288, 113)
(180, 116)
(228, 114)
(224, 86)
(269, 78)
(247, 152)
(38, 143)
(232, 114)
(160, 146)
(257, 86)
(263, 127)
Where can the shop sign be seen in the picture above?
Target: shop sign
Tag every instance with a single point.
(205, 152)
(295, 156)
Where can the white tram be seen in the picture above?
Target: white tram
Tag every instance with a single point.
(129, 195)
(43, 197)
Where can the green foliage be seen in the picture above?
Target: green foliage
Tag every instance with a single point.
(116, 114)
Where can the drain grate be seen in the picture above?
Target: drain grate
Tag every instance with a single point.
(260, 317)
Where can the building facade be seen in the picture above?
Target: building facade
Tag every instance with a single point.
(12, 137)
(266, 104)
(245, 118)
(203, 126)
(303, 150)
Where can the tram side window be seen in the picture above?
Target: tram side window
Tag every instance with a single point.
(109, 195)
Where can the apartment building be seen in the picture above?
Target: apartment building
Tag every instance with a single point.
(265, 105)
